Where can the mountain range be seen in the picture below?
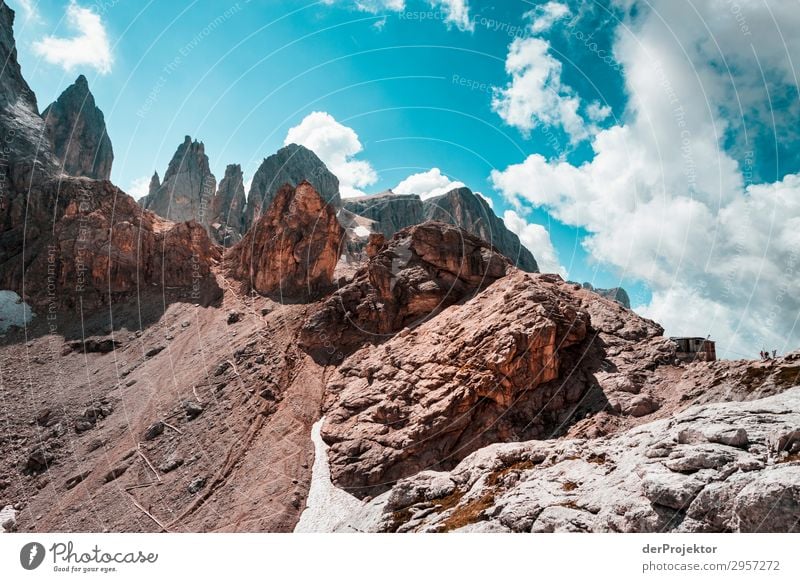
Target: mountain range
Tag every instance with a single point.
(292, 360)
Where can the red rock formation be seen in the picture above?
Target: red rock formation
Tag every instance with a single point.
(422, 270)
(100, 247)
(477, 373)
(293, 249)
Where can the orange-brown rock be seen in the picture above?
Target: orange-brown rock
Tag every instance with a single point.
(477, 373)
(422, 270)
(292, 251)
(87, 239)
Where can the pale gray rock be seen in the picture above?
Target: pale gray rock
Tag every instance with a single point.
(617, 483)
(188, 187)
(228, 206)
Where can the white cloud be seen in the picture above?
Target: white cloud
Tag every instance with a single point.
(543, 17)
(663, 199)
(88, 48)
(537, 240)
(488, 200)
(139, 187)
(535, 95)
(372, 6)
(336, 145)
(597, 112)
(453, 12)
(456, 13)
(427, 184)
(29, 8)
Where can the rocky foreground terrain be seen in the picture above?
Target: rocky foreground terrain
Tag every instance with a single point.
(202, 361)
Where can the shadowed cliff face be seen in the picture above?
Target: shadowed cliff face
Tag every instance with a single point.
(292, 250)
(76, 129)
(26, 150)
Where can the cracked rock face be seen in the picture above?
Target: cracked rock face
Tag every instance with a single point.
(22, 131)
(292, 250)
(693, 473)
(471, 212)
(389, 212)
(76, 129)
(188, 188)
(228, 207)
(291, 165)
(422, 270)
(477, 373)
(103, 247)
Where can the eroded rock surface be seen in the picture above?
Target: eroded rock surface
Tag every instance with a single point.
(463, 208)
(188, 188)
(291, 252)
(422, 270)
(227, 208)
(76, 129)
(291, 165)
(684, 474)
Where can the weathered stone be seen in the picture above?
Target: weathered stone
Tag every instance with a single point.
(77, 131)
(292, 165)
(293, 248)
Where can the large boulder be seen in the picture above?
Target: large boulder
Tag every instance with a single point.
(291, 165)
(477, 373)
(292, 251)
(76, 129)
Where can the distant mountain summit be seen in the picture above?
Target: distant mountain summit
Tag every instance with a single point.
(466, 209)
(76, 129)
(290, 165)
(188, 188)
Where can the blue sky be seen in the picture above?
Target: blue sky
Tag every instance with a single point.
(622, 135)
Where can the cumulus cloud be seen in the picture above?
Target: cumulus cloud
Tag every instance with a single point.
(336, 145)
(427, 184)
(456, 13)
(29, 8)
(664, 198)
(453, 12)
(139, 187)
(537, 240)
(543, 17)
(535, 95)
(89, 47)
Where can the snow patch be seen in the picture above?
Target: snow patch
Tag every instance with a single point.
(7, 513)
(13, 311)
(328, 508)
(362, 231)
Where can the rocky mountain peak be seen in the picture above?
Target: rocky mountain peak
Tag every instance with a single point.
(466, 209)
(20, 122)
(292, 165)
(76, 129)
(227, 209)
(188, 188)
